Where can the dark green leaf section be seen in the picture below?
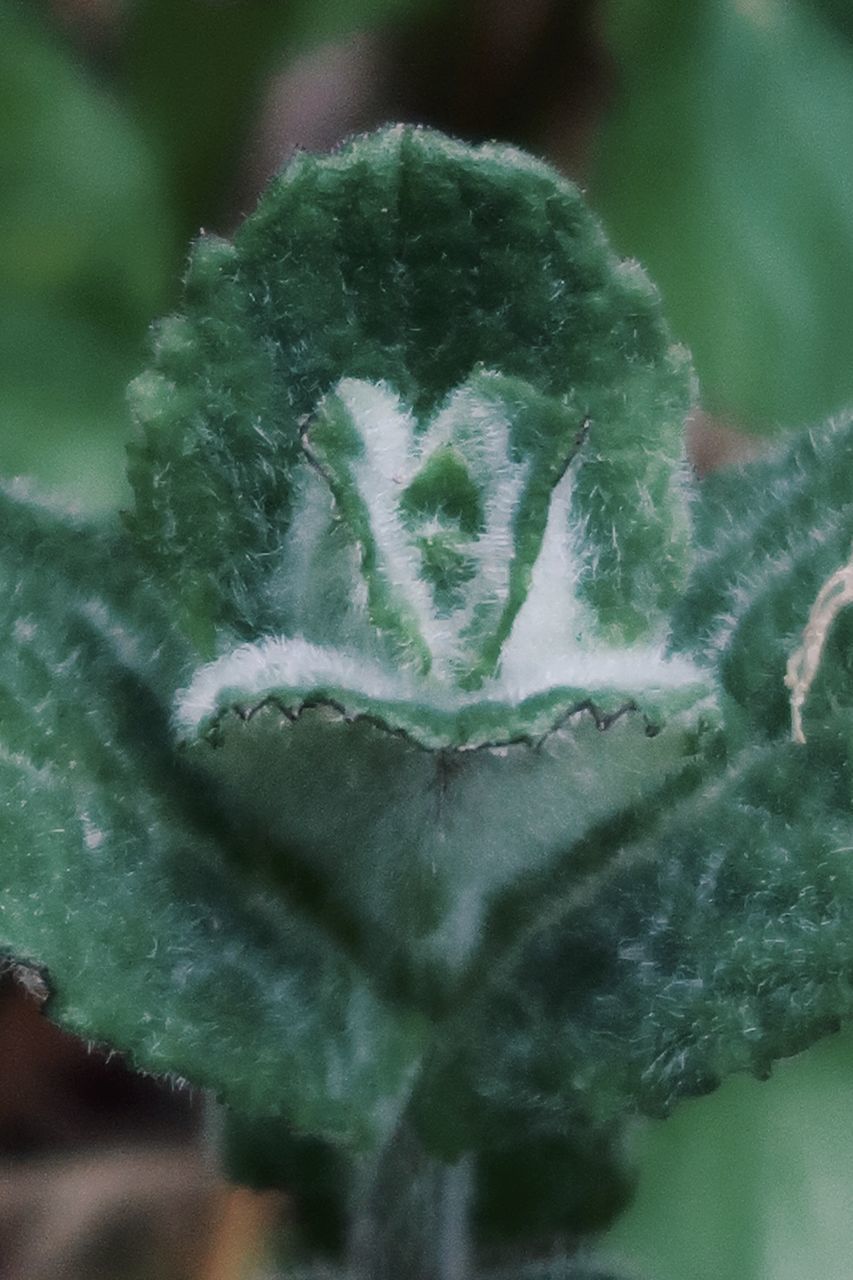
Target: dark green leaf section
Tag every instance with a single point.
(544, 1182)
(115, 882)
(774, 532)
(722, 942)
(407, 259)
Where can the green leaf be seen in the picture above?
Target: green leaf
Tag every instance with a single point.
(433, 830)
(723, 167)
(448, 561)
(116, 881)
(466, 853)
(389, 263)
(775, 532)
(434, 481)
(87, 243)
(210, 911)
(719, 942)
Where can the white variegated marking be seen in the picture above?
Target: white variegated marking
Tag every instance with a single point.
(553, 643)
(393, 454)
(387, 431)
(553, 618)
(480, 429)
(253, 670)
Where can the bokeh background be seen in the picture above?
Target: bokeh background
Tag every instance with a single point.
(715, 140)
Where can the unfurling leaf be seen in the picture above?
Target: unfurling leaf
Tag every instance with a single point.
(413, 262)
(444, 507)
(363, 775)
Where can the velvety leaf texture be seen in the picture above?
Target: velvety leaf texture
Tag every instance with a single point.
(394, 453)
(774, 531)
(363, 778)
(114, 881)
(721, 942)
(410, 260)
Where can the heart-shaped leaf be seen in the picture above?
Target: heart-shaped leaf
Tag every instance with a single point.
(412, 261)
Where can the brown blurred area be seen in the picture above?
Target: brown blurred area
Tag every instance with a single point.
(536, 74)
(105, 1173)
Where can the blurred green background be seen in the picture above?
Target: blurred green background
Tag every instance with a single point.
(714, 138)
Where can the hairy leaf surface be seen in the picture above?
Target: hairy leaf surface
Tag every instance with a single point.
(774, 533)
(413, 261)
(115, 881)
(721, 943)
(369, 751)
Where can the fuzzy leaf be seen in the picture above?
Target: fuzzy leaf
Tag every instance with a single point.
(722, 942)
(417, 439)
(412, 262)
(115, 881)
(775, 532)
(433, 833)
(410, 484)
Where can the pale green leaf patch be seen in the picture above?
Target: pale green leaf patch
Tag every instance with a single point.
(414, 841)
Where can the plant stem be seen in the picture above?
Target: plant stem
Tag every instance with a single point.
(410, 1215)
